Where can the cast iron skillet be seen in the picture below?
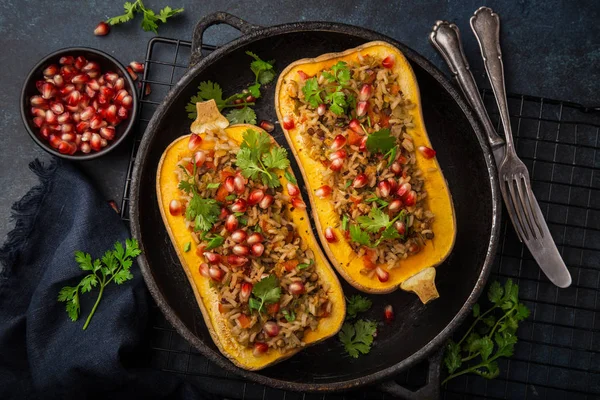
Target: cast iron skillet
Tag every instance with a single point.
(468, 166)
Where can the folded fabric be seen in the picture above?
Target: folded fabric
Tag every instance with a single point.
(43, 354)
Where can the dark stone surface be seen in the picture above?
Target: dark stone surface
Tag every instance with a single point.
(551, 49)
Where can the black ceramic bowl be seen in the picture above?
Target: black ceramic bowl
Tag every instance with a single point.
(107, 63)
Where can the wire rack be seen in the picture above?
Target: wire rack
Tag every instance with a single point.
(558, 354)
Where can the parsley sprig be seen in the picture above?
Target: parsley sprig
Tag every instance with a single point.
(258, 159)
(357, 304)
(264, 73)
(357, 337)
(490, 336)
(266, 291)
(334, 95)
(113, 266)
(150, 18)
(376, 221)
(381, 141)
(204, 212)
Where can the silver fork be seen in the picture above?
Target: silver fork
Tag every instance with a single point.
(515, 185)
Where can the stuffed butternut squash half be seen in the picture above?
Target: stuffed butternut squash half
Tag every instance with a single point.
(381, 204)
(234, 215)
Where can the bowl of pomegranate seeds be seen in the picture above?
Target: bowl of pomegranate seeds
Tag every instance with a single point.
(78, 103)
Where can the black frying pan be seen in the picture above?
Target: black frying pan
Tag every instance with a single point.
(465, 158)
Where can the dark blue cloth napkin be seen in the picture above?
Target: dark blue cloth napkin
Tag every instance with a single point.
(42, 353)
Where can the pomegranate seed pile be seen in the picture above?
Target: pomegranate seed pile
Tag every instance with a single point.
(79, 105)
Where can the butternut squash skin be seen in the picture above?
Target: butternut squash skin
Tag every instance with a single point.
(207, 298)
(439, 200)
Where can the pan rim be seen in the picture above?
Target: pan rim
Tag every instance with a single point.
(424, 352)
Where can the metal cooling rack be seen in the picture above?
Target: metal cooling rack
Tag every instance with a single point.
(558, 354)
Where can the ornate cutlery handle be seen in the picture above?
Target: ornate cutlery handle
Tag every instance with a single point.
(486, 26)
(445, 37)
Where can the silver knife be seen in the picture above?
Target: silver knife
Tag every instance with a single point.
(445, 37)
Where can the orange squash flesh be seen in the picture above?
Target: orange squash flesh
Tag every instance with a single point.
(207, 297)
(420, 266)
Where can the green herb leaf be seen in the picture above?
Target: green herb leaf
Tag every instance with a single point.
(357, 304)
(305, 265)
(381, 141)
(187, 247)
(375, 221)
(245, 115)
(204, 212)
(312, 92)
(231, 197)
(266, 291)
(258, 160)
(452, 358)
(263, 70)
(359, 236)
(213, 185)
(215, 242)
(207, 90)
(476, 310)
(149, 21)
(357, 338)
(291, 179)
(290, 316)
(345, 222)
(341, 73)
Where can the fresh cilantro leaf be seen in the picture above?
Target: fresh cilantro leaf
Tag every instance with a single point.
(312, 93)
(375, 221)
(266, 291)
(257, 141)
(167, 13)
(277, 158)
(391, 155)
(390, 233)
(337, 102)
(130, 9)
(254, 304)
(187, 247)
(257, 160)
(345, 222)
(254, 90)
(149, 21)
(357, 304)
(341, 71)
(263, 70)
(215, 242)
(290, 316)
(381, 141)
(476, 310)
(291, 179)
(357, 338)
(266, 77)
(204, 212)
(452, 358)
(213, 185)
(495, 292)
(359, 236)
(244, 115)
(207, 90)
(113, 266)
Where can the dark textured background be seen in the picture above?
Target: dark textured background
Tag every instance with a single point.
(551, 48)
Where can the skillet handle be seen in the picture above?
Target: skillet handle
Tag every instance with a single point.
(216, 18)
(430, 391)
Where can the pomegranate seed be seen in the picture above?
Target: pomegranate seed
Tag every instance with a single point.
(296, 288)
(74, 98)
(93, 84)
(55, 127)
(410, 199)
(240, 250)
(212, 258)
(292, 190)
(245, 291)
(85, 147)
(75, 116)
(67, 137)
(127, 101)
(254, 239)
(236, 261)
(339, 154)
(85, 100)
(80, 62)
(199, 158)
(393, 185)
(111, 77)
(96, 142)
(91, 93)
(395, 206)
(68, 129)
(137, 66)
(361, 108)
(400, 227)
(147, 89)
(55, 141)
(403, 189)
(382, 274)
(82, 126)
(37, 101)
(224, 213)
(122, 113)
(267, 126)
(38, 121)
(94, 74)
(50, 70)
(255, 196)
(338, 142)
(110, 93)
(66, 60)
(67, 147)
(57, 108)
(204, 270)
(113, 205)
(96, 122)
(388, 62)
(39, 84)
(396, 168)
(250, 99)
(38, 112)
(365, 92)
(64, 91)
(120, 84)
(68, 72)
(266, 202)
(238, 101)
(257, 249)
(330, 235)
(231, 223)
(259, 348)
(388, 313)
(91, 66)
(87, 113)
(384, 189)
(120, 96)
(81, 78)
(229, 184)
(239, 205)
(194, 141)
(323, 191)
(239, 184)
(107, 133)
(131, 73)
(363, 144)
(216, 273)
(102, 29)
(359, 181)
(86, 136)
(45, 131)
(77, 139)
(110, 112)
(51, 117)
(321, 109)
(271, 328)
(427, 152)
(298, 203)
(288, 122)
(413, 248)
(48, 90)
(58, 80)
(336, 165)
(239, 236)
